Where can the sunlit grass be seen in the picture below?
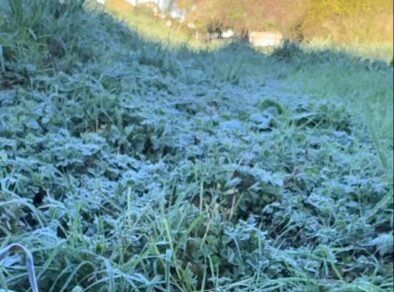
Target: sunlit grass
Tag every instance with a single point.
(152, 27)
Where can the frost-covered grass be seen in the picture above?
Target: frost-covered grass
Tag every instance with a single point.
(373, 50)
(128, 166)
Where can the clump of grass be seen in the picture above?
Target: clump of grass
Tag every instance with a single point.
(13, 248)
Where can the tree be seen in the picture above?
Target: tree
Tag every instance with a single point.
(338, 19)
(241, 15)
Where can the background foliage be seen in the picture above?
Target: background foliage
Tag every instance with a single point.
(340, 20)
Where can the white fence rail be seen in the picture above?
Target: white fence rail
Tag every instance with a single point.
(265, 39)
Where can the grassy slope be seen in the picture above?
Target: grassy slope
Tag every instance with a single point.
(143, 21)
(154, 28)
(364, 21)
(125, 165)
